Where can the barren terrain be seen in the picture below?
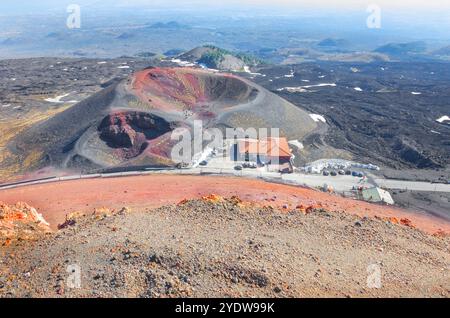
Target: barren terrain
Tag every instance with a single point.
(227, 248)
(384, 113)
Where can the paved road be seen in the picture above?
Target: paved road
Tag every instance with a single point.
(339, 183)
(412, 185)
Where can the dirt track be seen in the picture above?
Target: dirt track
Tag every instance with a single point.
(55, 200)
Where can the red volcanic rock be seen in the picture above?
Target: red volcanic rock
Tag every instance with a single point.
(131, 129)
(20, 222)
(406, 222)
(121, 136)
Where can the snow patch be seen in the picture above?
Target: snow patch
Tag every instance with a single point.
(416, 93)
(305, 87)
(247, 70)
(58, 100)
(291, 74)
(182, 63)
(358, 89)
(296, 143)
(318, 118)
(443, 119)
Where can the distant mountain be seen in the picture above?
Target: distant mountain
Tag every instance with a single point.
(172, 25)
(330, 42)
(11, 41)
(333, 45)
(146, 54)
(173, 52)
(125, 36)
(55, 35)
(402, 48)
(443, 51)
(217, 58)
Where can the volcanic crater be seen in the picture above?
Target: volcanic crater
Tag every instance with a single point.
(129, 122)
(132, 131)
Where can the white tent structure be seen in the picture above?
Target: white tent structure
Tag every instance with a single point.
(377, 195)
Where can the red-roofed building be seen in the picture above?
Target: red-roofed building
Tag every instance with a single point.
(270, 151)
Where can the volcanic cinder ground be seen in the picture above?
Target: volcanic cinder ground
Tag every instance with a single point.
(226, 247)
(130, 122)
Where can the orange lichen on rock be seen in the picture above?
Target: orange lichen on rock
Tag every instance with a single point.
(20, 222)
(393, 220)
(71, 219)
(441, 233)
(101, 213)
(182, 202)
(406, 222)
(309, 208)
(98, 214)
(213, 198)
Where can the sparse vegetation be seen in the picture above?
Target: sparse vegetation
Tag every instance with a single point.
(216, 55)
(10, 164)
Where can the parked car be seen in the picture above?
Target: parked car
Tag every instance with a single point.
(341, 172)
(238, 167)
(354, 173)
(326, 173)
(203, 163)
(333, 173)
(182, 165)
(348, 173)
(360, 175)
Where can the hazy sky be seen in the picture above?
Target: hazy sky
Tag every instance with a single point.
(322, 4)
(341, 4)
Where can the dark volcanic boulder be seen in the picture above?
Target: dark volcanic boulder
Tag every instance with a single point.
(119, 136)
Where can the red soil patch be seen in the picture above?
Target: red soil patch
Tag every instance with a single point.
(170, 88)
(55, 200)
(182, 89)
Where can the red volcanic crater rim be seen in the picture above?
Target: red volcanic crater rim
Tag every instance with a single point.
(180, 89)
(170, 88)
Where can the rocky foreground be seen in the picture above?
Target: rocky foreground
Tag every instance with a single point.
(224, 247)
